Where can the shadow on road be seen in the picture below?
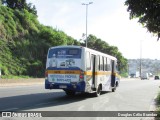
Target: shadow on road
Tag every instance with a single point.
(39, 100)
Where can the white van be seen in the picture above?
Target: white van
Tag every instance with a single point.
(144, 76)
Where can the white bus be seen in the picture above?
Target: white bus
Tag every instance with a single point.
(80, 69)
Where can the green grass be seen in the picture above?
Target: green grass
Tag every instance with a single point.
(158, 107)
(14, 77)
(124, 74)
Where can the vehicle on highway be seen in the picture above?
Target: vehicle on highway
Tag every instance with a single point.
(144, 76)
(80, 69)
(156, 77)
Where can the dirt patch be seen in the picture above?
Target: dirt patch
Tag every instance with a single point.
(22, 81)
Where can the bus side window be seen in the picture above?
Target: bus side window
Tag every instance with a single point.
(116, 67)
(108, 64)
(88, 61)
(105, 64)
(99, 63)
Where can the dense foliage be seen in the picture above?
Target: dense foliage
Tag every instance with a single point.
(148, 12)
(20, 5)
(24, 43)
(100, 45)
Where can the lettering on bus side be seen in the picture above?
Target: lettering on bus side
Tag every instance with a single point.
(63, 80)
(57, 76)
(57, 72)
(69, 72)
(71, 76)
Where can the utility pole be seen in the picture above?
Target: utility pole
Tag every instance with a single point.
(140, 67)
(86, 4)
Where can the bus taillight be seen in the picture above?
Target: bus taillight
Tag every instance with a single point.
(81, 76)
(46, 74)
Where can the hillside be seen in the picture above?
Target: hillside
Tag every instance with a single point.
(148, 65)
(24, 43)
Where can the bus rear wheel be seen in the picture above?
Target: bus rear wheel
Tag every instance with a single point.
(114, 89)
(115, 86)
(98, 92)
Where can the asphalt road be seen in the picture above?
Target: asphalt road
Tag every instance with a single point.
(132, 95)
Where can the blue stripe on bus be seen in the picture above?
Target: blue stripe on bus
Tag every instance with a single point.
(80, 86)
(70, 68)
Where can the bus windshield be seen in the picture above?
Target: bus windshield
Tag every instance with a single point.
(64, 53)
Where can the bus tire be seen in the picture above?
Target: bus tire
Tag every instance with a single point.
(114, 89)
(116, 85)
(98, 92)
(70, 92)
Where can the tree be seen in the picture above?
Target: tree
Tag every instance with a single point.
(148, 13)
(102, 46)
(15, 4)
(31, 8)
(20, 4)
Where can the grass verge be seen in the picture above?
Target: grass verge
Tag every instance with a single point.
(21, 81)
(13, 77)
(158, 107)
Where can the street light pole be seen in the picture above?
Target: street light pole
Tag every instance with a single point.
(140, 58)
(86, 4)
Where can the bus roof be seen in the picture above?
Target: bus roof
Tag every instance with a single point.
(81, 47)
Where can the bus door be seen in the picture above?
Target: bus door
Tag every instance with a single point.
(93, 65)
(113, 74)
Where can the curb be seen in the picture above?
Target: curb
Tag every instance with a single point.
(19, 84)
(153, 104)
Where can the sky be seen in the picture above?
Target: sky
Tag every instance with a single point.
(107, 20)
